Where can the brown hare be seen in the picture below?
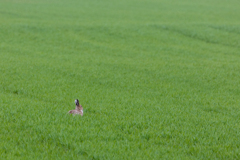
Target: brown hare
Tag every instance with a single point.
(78, 109)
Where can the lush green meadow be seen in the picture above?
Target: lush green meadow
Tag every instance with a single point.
(158, 79)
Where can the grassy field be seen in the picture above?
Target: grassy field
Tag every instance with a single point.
(158, 79)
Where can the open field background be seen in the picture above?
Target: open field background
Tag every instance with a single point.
(158, 79)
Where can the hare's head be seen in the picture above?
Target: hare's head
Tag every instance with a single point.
(77, 102)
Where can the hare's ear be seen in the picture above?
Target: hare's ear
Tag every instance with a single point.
(77, 102)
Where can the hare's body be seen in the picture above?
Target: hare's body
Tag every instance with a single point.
(78, 109)
(76, 112)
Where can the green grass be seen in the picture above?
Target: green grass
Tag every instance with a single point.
(158, 79)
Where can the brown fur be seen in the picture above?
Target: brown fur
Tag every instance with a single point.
(77, 110)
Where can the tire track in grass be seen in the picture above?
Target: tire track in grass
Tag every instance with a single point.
(230, 29)
(194, 35)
